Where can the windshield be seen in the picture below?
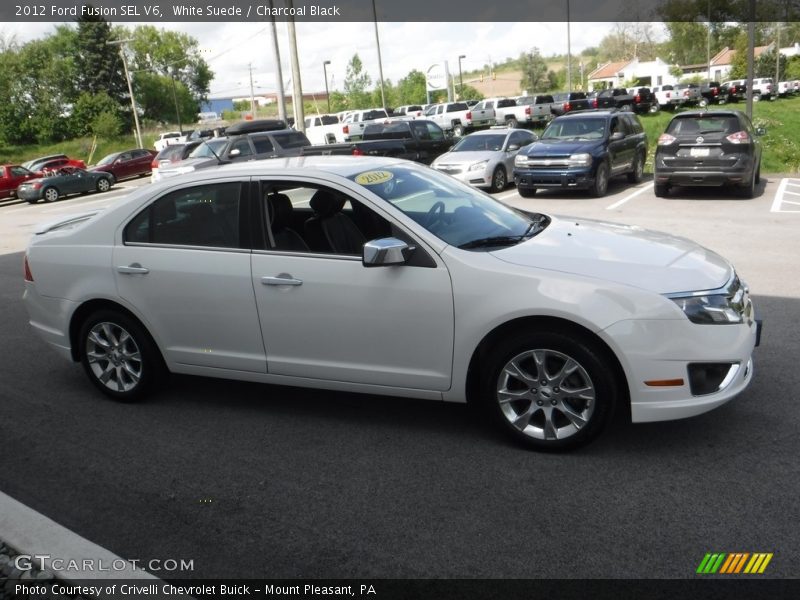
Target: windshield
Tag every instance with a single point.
(575, 129)
(107, 160)
(208, 149)
(453, 211)
(472, 143)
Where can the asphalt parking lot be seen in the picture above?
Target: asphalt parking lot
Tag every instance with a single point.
(264, 481)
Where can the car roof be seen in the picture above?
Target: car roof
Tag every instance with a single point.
(709, 113)
(592, 112)
(493, 131)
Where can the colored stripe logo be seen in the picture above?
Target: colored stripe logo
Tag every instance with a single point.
(734, 563)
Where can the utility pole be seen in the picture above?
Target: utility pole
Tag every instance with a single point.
(279, 74)
(175, 98)
(751, 42)
(297, 88)
(777, 59)
(708, 43)
(380, 62)
(252, 95)
(121, 44)
(569, 54)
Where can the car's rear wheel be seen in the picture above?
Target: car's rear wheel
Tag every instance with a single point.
(512, 123)
(703, 103)
(600, 185)
(655, 107)
(118, 355)
(549, 390)
(748, 190)
(661, 190)
(458, 130)
(528, 192)
(756, 97)
(637, 172)
(51, 194)
(103, 184)
(499, 179)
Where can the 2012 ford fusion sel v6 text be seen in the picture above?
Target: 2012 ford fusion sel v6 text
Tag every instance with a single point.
(386, 277)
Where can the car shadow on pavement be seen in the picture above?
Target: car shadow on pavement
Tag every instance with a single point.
(617, 185)
(724, 192)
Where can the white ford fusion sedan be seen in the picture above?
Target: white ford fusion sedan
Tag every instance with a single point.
(382, 276)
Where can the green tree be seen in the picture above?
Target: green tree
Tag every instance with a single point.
(534, 70)
(156, 96)
(411, 89)
(739, 61)
(470, 93)
(98, 64)
(87, 108)
(793, 68)
(356, 82)
(765, 66)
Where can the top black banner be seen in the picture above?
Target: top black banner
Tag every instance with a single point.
(162, 11)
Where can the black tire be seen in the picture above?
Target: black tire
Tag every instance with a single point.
(756, 97)
(600, 184)
(748, 190)
(661, 190)
(499, 179)
(458, 130)
(102, 335)
(627, 108)
(103, 184)
(637, 173)
(526, 192)
(758, 174)
(50, 194)
(512, 123)
(654, 108)
(33, 200)
(703, 103)
(578, 417)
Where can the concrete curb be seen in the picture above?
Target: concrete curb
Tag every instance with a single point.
(31, 533)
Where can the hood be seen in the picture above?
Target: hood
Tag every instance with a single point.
(466, 157)
(560, 147)
(623, 254)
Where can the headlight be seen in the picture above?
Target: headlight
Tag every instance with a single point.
(580, 160)
(717, 309)
(520, 160)
(479, 166)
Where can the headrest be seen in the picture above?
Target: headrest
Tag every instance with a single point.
(325, 204)
(279, 208)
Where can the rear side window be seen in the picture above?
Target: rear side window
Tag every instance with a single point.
(262, 145)
(206, 215)
(291, 139)
(456, 107)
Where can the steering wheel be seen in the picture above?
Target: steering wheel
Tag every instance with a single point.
(434, 215)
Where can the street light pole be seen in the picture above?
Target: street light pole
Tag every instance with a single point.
(327, 94)
(175, 98)
(460, 78)
(121, 44)
(569, 54)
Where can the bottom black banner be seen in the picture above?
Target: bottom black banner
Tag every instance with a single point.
(710, 588)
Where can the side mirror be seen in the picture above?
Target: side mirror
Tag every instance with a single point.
(512, 147)
(234, 153)
(385, 252)
(761, 131)
(616, 136)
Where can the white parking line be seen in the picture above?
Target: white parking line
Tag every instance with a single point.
(779, 203)
(630, 196)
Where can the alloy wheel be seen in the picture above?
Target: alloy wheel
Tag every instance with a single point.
(114, 357)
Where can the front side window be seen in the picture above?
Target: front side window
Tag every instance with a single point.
(205, 215)
(243, 146)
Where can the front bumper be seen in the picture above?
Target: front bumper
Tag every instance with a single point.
(653, 351)
(29, 194)
(481, 178)
(578, 178)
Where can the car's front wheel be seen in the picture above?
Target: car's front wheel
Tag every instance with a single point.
(499, 179)
(51, 194)
(600, 185)
(118, 355)
(549, 390)
(458, 130)
(103, 184)
(661, 190)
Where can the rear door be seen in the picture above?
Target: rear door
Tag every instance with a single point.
(183, 264)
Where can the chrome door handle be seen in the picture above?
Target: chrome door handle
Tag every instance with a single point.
(281, 280)
(133, 269)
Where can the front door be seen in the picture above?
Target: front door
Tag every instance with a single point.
(326, 316)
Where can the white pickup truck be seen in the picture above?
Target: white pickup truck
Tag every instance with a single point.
(508, 112)
(458, 118)
(167, 139)
(323, 129)
(354, 123)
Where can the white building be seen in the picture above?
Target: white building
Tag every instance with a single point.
(616, 74)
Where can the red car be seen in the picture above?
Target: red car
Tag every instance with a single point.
(53, 162)
(11, 176)
(130, 163)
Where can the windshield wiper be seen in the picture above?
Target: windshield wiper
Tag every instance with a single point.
(504, 240)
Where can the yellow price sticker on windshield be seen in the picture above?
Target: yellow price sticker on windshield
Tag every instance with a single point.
(373, 177)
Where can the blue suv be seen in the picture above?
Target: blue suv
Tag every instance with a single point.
(583, 150)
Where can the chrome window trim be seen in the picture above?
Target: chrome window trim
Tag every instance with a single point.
(351, 257)
(188, 247)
